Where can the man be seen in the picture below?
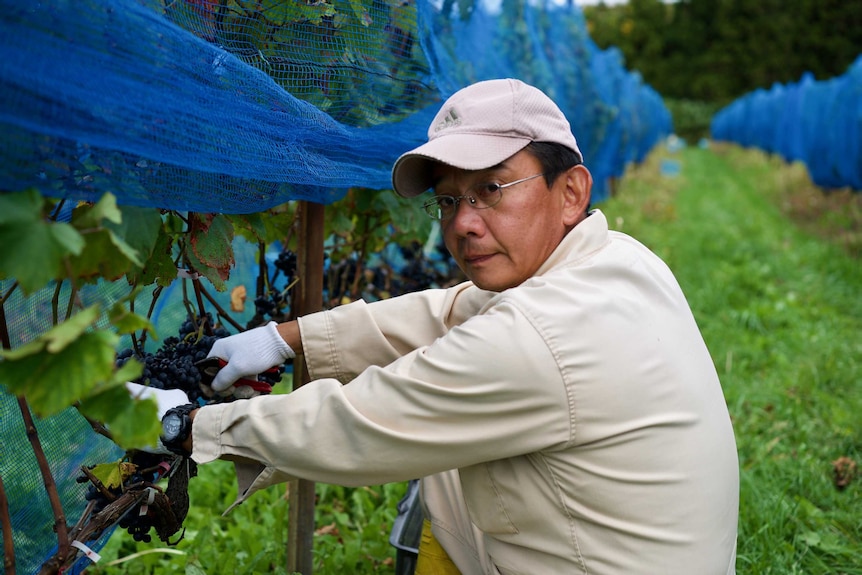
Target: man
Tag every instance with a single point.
(561, 406)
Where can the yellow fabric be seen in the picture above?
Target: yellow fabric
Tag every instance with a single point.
(433, 559)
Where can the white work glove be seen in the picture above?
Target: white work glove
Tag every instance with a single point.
(165, 399)
(249, 353)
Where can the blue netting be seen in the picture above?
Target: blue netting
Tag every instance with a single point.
(207, 107)
(818, 123)
(234, 107)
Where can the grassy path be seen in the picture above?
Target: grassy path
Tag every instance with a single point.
(782, 314)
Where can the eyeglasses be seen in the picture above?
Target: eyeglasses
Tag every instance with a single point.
(479, 196)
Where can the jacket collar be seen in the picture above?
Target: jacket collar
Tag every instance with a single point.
(583, 240)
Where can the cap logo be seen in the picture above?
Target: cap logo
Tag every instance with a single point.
(450, 120)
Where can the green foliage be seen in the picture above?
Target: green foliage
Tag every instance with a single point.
(314, 49)
(33, 249)
(718, 50)
(691, 118)
(73, 362)
(364, 221)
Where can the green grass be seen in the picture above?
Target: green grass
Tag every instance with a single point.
(782, 315)
(781, 311)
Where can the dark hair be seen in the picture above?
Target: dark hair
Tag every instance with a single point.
(554, 158)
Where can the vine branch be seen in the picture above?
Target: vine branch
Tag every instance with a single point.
(60, 526)
(221, 311)
(6, 525)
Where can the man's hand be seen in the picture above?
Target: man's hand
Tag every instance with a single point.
(249, 353)
(165, 399)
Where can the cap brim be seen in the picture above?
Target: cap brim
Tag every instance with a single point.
(413, 172)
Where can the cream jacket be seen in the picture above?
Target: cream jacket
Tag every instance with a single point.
(581, 408)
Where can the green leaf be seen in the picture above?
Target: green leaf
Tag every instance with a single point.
(93, 215)
(160, 267)
(285, 13)
(211, 247)
(133, 423)
(209, 273)
(125, 249)
(62, 335)
(21, 207)
(339, 222)
(254, 224)
(360, 12)
(104, 256)
(174, 224)
(112, 475)
(128, 322)
(139, 228)
(211, 240)
(56, 338)
(278, 223)
(131, 370)
(33, 251)
(67, 236)
(55, 380)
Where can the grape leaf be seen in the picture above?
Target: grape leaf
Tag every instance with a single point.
(250, 226)
(133, 423)
(211, 247)
(128, 322)
(360, 12)
(92, 215)
(23, 207)
(139, 228)
(211, 238)
(33, 251)
(56, 338)
(55, 380)
(160, 267)
(104, 256)
(339, 222)
(112, 475)
(207, 272)
(174, 224)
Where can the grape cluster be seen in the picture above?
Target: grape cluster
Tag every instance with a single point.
(286, 264)
(172, 366)
(276, 303)
(139, 530)
(137, 522)
(93, 494)
(271, 305)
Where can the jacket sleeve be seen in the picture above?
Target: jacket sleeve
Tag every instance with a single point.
(342, 342)
(489, 389)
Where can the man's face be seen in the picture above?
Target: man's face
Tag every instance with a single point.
(504, 245)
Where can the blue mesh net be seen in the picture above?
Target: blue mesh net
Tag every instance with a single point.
(817, 123)
(228, 106)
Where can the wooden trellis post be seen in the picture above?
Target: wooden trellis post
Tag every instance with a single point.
(309, 299)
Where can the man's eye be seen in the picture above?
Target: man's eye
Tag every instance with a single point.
(486, 190)
(445, 201)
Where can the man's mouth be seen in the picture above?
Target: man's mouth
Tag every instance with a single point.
(476, 259)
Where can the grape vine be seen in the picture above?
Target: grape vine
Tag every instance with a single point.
(142, 493)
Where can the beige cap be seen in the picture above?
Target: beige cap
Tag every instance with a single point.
(479, 127)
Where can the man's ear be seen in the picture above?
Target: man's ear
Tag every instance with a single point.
(579, 186)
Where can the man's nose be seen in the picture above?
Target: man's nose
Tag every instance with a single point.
(466, 218)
